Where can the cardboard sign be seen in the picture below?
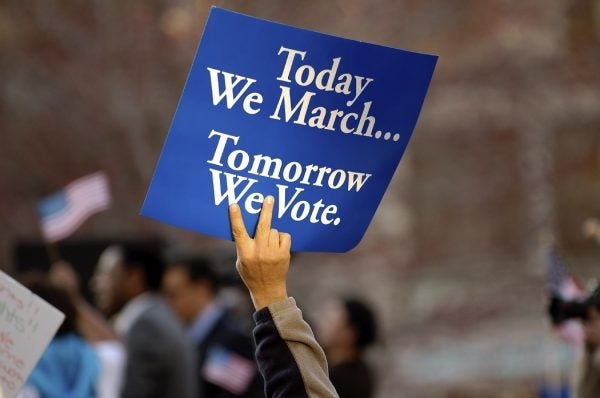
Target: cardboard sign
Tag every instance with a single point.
(317, 121)
(27, 324)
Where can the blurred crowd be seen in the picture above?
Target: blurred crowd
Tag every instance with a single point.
(173, 329)
(508, 147)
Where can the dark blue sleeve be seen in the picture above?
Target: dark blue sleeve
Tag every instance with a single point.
(275, 360)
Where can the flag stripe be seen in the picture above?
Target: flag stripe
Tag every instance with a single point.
(70, 222)
(90, 198)
(83, 198)
(228, 370)
(562, 284)
(73, 215)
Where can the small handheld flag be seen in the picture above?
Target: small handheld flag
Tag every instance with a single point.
(64, 211)
(228, 370)
(559, 282)
(564, 286)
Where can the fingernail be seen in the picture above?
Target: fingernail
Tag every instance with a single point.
(269, 200)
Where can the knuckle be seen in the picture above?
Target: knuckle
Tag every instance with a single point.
(237, 231)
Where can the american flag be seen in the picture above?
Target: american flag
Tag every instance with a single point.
(228, 370)
(64, 211)
(561, 284)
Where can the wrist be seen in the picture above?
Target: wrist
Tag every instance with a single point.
(264, 298)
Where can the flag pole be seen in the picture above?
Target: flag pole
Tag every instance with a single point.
(53, 252)
(64, 211)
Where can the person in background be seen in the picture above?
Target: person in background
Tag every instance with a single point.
(95, 329)
(346, 328)
(225, 354)
(588, 374)
(68, 367)
(289, 358)
(159, 359)
(588, 380)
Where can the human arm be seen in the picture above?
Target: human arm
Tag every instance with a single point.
(289, 358)
(90, 323)
(591, 328)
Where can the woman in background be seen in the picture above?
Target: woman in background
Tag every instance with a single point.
(68, 368)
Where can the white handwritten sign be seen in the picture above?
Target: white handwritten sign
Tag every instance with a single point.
(27, 324)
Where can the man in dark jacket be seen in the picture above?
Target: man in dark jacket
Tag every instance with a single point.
(159, 360)
(225, 353)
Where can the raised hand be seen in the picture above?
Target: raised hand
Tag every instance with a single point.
(263, 261)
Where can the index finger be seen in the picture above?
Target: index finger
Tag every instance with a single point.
(238, 228)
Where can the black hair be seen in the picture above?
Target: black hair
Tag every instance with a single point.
(361, 318)
(58, 298)
(561, 310)
(150, 262)
(198, 269)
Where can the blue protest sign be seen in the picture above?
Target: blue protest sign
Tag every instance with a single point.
(317, 121)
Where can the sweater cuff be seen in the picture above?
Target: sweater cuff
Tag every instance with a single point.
(264, 314)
